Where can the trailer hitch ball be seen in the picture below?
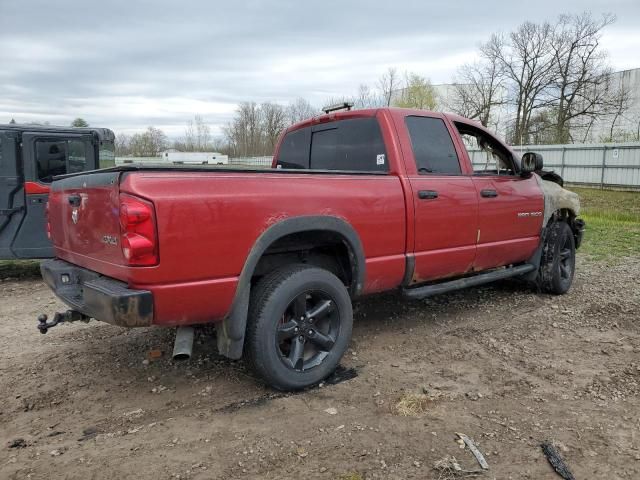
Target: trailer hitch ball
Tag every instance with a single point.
(43, 326)
(68, 316)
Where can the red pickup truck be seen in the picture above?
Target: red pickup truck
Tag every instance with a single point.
(357, 202)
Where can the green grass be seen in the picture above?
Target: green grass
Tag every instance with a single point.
(612, 223)
(19, 269)
(107, 163)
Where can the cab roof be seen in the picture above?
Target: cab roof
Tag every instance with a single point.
(104, 134)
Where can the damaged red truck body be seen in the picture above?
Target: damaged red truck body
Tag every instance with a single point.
(357, 202)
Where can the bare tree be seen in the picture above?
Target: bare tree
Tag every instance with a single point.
(479, 89)
(122, 144)
(621, 99)
(188, 143)
(388, 83)
(300, 110)
(274, 121)
(368, 98)
(197, 136)
(580, 88)
(203, 134)
(149, 143)
(525, 56)
(244, 132)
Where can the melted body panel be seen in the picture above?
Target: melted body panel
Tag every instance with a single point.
(557, 198)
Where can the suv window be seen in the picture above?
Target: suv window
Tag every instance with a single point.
(432, 146)
(349, 145)
(77, 156)
(57, 157)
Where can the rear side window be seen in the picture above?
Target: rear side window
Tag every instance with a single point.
(354, 144)
(294, 151)
(348, 145)
(432, 146)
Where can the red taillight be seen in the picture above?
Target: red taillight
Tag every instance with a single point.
(138, 231)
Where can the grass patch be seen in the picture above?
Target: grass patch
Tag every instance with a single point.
(351, 476)
(609, 203)
(19, 269)
(606, 238)
(413, 404)
(612, 223)
(104, 163)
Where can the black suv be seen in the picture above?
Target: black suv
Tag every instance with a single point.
(30, 156)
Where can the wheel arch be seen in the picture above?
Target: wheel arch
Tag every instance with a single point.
(231, 331)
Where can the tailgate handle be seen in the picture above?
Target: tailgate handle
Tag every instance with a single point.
(74, 200)
(489, 193)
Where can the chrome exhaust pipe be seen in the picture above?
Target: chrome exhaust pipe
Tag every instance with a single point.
(183, 344)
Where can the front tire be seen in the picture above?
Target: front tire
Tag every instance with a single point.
(299, 326)
(558, 262)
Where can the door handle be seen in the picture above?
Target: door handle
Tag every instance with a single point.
(74, 200)
(427, 194)
(488, 193)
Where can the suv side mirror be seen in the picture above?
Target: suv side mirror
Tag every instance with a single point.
(531, 162)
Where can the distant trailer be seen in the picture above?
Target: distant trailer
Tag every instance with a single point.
(195, 158)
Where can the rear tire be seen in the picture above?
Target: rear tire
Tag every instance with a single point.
(558, 261)
(299, 326)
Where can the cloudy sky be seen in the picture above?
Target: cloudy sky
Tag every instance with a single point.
(129, 64)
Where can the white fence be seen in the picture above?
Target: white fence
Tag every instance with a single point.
(256, 162)
(599, 164)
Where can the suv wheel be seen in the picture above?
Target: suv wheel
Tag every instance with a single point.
(299, 326)
(558, 259)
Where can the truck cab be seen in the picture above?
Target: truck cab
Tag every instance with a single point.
(30, 156)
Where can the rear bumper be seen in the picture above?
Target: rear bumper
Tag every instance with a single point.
(96, 296)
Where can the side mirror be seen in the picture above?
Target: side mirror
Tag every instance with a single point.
(531, 162)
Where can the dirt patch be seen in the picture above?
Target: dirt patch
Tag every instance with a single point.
(509, 368)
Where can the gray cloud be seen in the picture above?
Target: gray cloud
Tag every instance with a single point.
(128, 64)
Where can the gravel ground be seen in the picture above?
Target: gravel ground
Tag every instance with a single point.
(505, 366)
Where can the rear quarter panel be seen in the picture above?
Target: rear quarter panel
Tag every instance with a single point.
(208, 222)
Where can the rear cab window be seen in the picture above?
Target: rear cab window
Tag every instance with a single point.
(432, 145)
(344, 145)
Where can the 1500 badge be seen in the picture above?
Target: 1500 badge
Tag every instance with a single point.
(109, 240)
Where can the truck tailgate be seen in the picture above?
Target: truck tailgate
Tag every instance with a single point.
(84, 218)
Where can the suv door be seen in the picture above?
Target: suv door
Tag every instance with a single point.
(46, 155)
(11, 191)
(444, 198)
(510, 207)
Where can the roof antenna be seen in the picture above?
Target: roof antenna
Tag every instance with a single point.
(338, 106)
